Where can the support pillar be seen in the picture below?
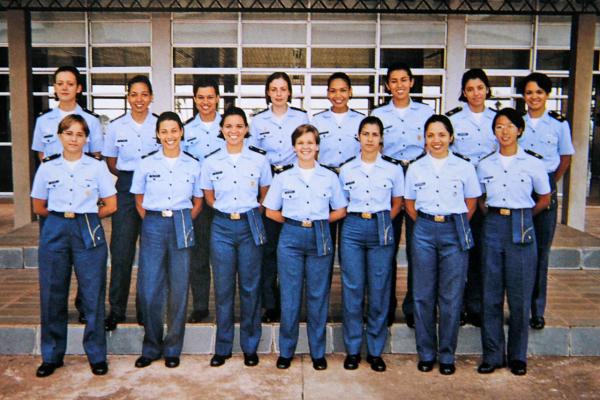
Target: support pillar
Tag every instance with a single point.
(21, 112)
(161, 62)
(456, 54)
(583, 37)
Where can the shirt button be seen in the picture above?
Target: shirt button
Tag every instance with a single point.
(307, 186)
(506, 172)
(71, 175)
(279, 127)
(235, 198)
(169, 198)
(503, 199)
(437, 191)
(235, 166)
(437, 205)
(70, 190)
(367, 203)
(339, 140)
(234, 182)
(403, 132)
(367, 191)
(139, 150)
(280, 141)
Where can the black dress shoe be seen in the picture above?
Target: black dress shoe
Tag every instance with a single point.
(47, 369)
(410, 320)
(447, 369)
(487, 368)
(425, 366)
(197, 316)
(377, 363)
(518, 367)
(537, 323)
(351, 361)
(271, 315)
(171, 362)
(110, 323)
(82, 319)
(319, 363)
(250, 360)
(143, 362)
(99, 368)
(284, 362)
(217, 360)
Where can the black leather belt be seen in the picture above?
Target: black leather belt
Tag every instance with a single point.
(502, 211)
(435, 218)
(232, 216)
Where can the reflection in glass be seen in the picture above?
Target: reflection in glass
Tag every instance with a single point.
(274, 58)
(121, 56)
(497, 59)
(343, 58)
(54, 57)
(188, 57)
(415, 58)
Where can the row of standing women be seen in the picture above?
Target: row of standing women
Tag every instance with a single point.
(160, 190)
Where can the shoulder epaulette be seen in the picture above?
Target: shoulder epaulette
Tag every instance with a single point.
(454, 111)
(45, 112)
(462, 156)
(379, 106)
(90, 112)
(120, 116)
(50, 158)
(191, 155)
(189, 120)
(298, 109)
(423, 154)
(320, 112)
(390, 159)
(212, 152)
(149, 154)
(283, 168)
(557, 116)
(486, 156)
(94, 156)
(533, 153)
(329, 167)
(358, 112)
(156, 115)
(492, 109)
(260, 112)
(347, 161)
(256, 149)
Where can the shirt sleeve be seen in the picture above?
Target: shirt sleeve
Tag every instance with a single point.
(109, 148)
(138, 182)
(36, 143)
(205, 182)
(96, 136)
(472, 187)
(337, 200)
(541, 182)
(409, 191)
(197, 189)
(565, 145)
(342, 179)
(265, 173)
(39, 190)
(106, 186)
(273, 200)
(398, 190)
(253, 139)
(480, 174)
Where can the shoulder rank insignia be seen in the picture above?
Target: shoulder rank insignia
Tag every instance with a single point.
(486, 156)
(90, 112)
(557, 116)
(298, 109)
(453, 111)
(50, 158)
(277, 169)
(320, 112)
(119, 117)
(390, 159)
(191, 155)
(533, 153)
(149, 154)
(357, 112)
(189, 120)
(45, 112)
(212, 152)
(260, 112)
(94, 156)
(329, 167)
(347, 161)
(462, 156)
(258, 150)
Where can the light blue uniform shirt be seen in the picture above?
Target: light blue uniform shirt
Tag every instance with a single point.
(403, 137)
(338, 141)
(550, 138)
(275, 136)
(201, 141)
(165, 187)
(236, 185)
(305, 201)
(73, 191)
(472, 138)
(512, 187)
(128, 142)
(45, 137)
(371, 191)
(443, 192)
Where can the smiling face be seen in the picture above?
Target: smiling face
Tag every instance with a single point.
(399, 84)
(73, 139)
(169, 134)
(279, 92)
(139, 98)
(206, 101)
(535, 97)
(306, 147)
(66, 87)
(475, 91)
(339, 94)
(370, 138)
(234, 129)
(437, 139)
(506, 132)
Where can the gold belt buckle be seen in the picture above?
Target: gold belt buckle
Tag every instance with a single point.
(366, 215)
(505, 211)
(166, 213)
(307, 224)
(69, 215)
(234, 216)
(439, 218)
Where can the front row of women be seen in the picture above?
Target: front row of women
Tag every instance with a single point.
(440, 191)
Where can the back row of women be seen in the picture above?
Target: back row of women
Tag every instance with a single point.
(202, 189)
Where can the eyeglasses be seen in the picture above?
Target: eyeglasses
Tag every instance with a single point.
(507, 126)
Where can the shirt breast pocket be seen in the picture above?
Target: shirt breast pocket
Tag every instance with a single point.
(88, 185)
(454, 189)
(420, 188)
(551, 139)
(383, 188)
(251, 177)
(54, 184)
(49, 137)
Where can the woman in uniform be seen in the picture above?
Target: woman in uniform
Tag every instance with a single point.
(508, 178)
(233, 178)
(373, 185)
(128, 138)
(168, 197)
(271, 131)
(66, 190)
(473, 138)
(441, 194)
(301, 198)
(547, 133)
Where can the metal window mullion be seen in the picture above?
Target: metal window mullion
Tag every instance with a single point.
(307, 92)
(377, 65)
(88, 58)
(239, 58)
(533, 58)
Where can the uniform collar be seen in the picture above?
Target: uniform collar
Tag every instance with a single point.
(520, 153)
(319, 170)
(198, 122)
(350, 113)
(411, 105)
(545, 118)
(56, 111)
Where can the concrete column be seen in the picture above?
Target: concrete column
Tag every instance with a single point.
(456, 54)
(21, 112)
(161, 62)
(578, 112)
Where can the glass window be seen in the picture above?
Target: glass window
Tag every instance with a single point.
(6, 182)
(121, 32)
(274, 58)
(427, 89)
(111, 83)
(499, 31)
(184, 83)
(498, 59)
(3, 30)
(343, 34)
(415, 58)
(266, 33)
(553, 60)
(121, 56)
(3, 57)
(4, 83)
(362, 93)
(554, 35)
(419, 32)
(57, 32)
(5, 120)
(253, 92)
(44, 82)
(206, 16)
(201, 57)
(54, 57)
(205, 33)
(343, 58)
